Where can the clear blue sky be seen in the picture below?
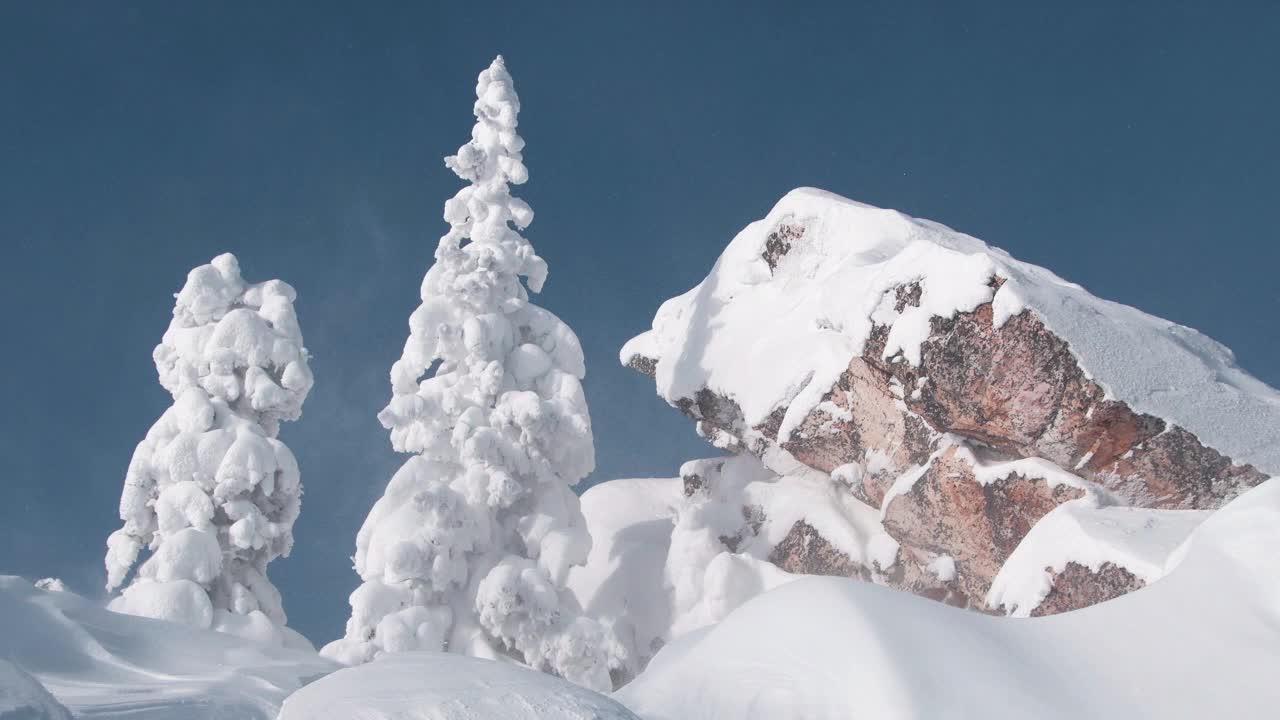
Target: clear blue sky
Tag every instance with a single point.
(1131, 147)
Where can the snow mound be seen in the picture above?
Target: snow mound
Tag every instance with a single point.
(821, 648)
(101, 663)
(630, 522)
(1139, 540)
(811, 307)
(439, 686)
(22, 697)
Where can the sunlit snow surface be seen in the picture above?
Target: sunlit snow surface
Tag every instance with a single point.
(438, 686)
(630, 521)
(815, 310)
(1204, 642)
(104, 664)
(22, 697)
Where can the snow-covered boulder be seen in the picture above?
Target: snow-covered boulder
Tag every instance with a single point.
(1203, 642)
(440, 686)
(100, 663)
(955, 392)
(22, 697)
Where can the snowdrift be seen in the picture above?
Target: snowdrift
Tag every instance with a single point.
(105, 664)
(1202, 642)
(22, 697)
(630, 521)
(437, 686)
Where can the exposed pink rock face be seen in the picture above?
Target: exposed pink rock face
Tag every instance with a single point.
(875, 426)
(805, 551)
(947, 511)
(911, 573)
(1077, 586)
(1010, 391)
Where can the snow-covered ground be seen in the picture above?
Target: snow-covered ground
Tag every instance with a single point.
(100, 663)
(22, 697)
(1202, 642)
(439, 686)
(630, 522)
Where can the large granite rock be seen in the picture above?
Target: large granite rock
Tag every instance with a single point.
(920, 427)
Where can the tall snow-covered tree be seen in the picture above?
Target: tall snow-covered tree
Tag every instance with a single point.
(210, 492)
(469, 548)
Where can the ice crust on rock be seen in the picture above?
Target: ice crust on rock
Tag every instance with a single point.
(211, 494)
(470, 546)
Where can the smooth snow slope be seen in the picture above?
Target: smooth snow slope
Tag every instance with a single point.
(440, 686)
(1204, 642)
(22, 697)
(104, 664)
(815, 310)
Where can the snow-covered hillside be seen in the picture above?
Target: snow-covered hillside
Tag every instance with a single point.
(1203, 642)
(100, 663)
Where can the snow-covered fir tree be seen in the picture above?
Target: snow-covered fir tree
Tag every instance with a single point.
(210, 493)
(469, 548)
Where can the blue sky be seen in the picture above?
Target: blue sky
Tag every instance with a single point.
(1130, 147)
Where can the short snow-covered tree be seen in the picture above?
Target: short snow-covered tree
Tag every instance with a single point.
(210, 492)
(469, 548)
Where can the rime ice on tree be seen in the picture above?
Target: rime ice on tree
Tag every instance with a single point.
(210, 491)
(469, 548)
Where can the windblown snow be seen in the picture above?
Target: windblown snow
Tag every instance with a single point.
(438, 686)
(815, 310)
(100, 663)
